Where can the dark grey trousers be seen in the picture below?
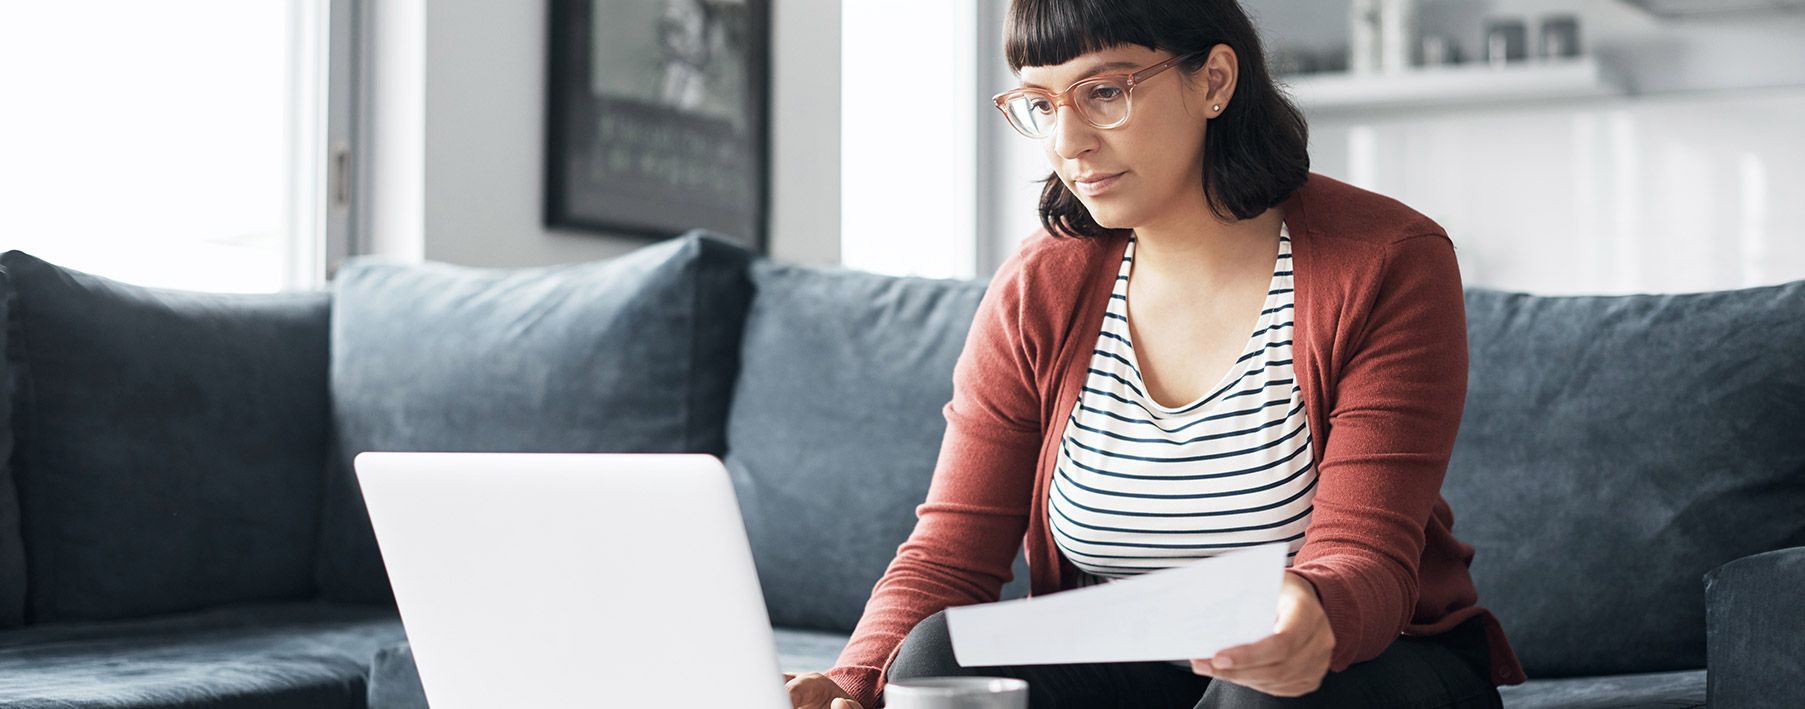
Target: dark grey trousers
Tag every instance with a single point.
(1448, 670)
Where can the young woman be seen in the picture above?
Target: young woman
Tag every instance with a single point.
(1111, 411)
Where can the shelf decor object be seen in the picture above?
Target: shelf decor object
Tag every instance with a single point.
(1454, 85)
(656, 118)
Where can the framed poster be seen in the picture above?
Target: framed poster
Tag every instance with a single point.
(656, 117)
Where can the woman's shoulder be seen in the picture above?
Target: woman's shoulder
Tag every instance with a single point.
(1039, 287)
(1043, 264)
(1336, 213)
(1354, 244)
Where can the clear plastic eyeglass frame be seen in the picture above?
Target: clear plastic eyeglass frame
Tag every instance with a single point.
(1023, 100)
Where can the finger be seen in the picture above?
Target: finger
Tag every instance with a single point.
(801, 696)
(1264, 676)
(1271, 650)
(1238, 655)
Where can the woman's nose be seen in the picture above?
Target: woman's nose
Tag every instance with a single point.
(1071, 135)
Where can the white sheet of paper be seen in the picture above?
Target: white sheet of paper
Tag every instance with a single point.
(1181, 613)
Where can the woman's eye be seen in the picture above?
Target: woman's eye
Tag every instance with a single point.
(1040, 105)
(1106, 93)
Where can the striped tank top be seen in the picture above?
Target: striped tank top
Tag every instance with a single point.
(1139, 486)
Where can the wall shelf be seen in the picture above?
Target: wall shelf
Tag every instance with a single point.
(1453, 86)
(1693, 9)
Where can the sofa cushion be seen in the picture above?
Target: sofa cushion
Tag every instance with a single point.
(1612, 451)
(1650, 690)
(169, 444)
(634, 354)
(1755, 634)
(395, 680)
(268, 656)
(835, 429)
(12, 545)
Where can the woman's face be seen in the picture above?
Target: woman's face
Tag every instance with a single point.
(1158, 152)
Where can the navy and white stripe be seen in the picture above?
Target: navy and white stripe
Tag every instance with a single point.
(1139, 486)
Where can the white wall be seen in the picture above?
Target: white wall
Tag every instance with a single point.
(805, 131)
(456, 135)
(1672, 193)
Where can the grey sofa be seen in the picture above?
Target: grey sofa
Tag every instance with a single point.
(179, 528)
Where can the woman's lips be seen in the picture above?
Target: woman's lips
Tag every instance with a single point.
(1100, 186)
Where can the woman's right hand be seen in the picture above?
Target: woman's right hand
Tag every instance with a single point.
(813, 690)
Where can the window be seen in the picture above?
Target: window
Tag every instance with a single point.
(176, 144)
(909, 115)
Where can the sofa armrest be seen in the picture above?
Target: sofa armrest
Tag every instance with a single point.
(1755, 631)
(394, 682)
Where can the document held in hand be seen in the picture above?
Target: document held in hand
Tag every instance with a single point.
(1181, 613)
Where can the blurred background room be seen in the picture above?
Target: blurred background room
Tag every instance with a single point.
(1568, 146)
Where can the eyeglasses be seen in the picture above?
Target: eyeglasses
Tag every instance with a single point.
(1102, 101)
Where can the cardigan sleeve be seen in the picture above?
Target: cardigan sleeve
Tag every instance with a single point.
(970, 527)
(1397, 406)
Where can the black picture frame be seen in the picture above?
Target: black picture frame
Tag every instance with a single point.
(657, 116)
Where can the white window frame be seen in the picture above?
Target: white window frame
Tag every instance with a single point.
(332, 142)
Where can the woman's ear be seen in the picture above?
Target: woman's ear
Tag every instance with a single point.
(1220, 71)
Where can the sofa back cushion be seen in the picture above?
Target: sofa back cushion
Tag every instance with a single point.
(168, 444)
(634, 354)
(12, 545)
(1613, 449)
(835, 429)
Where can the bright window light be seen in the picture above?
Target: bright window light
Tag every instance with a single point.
(155, 142)
(908, 137)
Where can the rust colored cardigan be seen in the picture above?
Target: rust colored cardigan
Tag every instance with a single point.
(1381, 357)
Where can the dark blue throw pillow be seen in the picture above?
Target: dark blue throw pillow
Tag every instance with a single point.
(1616, 448)
(634, 354)
(168, 444)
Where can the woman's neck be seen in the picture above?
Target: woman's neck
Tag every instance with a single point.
(1208, 249)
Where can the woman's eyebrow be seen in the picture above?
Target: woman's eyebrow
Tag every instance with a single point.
(1093, 71)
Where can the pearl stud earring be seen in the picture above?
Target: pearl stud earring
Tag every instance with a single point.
(1217, 108)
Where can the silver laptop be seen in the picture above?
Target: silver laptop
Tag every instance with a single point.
(565, 580)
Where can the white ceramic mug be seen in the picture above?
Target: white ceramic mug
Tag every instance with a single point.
(956, 693)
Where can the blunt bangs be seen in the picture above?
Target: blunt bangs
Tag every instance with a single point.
(1040, 33)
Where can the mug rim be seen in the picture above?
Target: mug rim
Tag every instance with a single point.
(951, 686)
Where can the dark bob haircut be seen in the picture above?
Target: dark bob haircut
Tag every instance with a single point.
(1257, 152)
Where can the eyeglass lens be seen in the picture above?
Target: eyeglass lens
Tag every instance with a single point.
(1102, 103)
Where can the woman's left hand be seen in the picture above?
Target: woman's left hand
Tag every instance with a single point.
(1293, 660)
